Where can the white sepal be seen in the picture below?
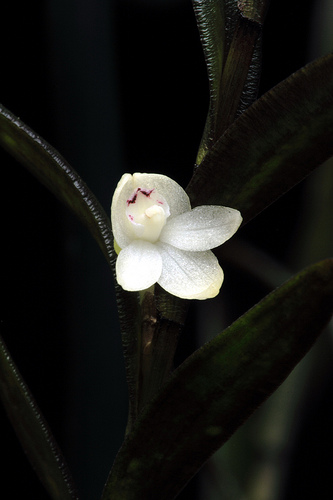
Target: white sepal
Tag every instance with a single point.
(189, 275)
(202, 228)
(138, 266)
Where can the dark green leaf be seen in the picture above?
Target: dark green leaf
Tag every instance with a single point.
(210, 17)
(231, 41)
(240, 59)
(45, 163)
(33, 432)
(241, 74)
(273, 145)
(52, 170)
(219, 386)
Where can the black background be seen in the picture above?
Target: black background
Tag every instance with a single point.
(116, 86)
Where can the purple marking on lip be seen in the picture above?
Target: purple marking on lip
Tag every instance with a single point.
(146, 192)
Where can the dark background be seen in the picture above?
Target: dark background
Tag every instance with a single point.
(116, 86)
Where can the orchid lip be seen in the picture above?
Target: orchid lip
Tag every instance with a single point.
(147, 211)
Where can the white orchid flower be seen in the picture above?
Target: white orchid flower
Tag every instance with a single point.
(159, 238)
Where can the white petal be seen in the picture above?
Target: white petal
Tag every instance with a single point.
(174, 194)
(189, 275)
(202, 228)
(138, 266)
